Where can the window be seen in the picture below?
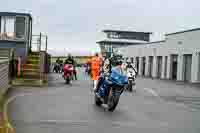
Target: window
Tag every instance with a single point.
(7, 27)
(2, 25)
(10, 27)
(20, 27)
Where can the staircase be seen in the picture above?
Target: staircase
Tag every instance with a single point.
(31, 73)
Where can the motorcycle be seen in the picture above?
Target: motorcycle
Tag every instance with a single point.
(131, 74)
(109, 89)
(68, 73)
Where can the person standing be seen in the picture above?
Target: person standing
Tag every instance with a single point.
(96, 62)
(75, 71)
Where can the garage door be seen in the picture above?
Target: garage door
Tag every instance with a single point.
(150, 65)
(187, 67)
(165, 71)
(174, 66)
(159, 66)
(199, 68)
(137, 63)
(143, 65)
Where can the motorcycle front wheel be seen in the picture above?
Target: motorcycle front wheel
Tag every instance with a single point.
(67, 80)
(98, 102)
(113, 101)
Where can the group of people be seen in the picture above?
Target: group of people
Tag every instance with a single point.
(96, 66)
(69, 60)
(102, 65)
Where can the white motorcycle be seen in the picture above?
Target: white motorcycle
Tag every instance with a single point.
(131, 74)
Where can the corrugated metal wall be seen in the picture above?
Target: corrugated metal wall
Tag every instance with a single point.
(4, 52)
(7, 53)
(4, 75)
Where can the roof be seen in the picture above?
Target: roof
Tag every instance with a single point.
(122, 41)
(182, 31)
(123, 31)
(155, 42)
(15, 14)
(130, 43)
(118, 42)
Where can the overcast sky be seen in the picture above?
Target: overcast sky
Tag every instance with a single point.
(77, 24)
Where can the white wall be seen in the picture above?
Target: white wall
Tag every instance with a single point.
(180, 44)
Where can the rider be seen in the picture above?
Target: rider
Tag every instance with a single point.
(57, 67)
(58, 60)
(131, 65)
(107, 65)
(117, 67)
(71, 61)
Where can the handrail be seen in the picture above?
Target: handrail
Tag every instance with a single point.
(37, 42)
(40, 55)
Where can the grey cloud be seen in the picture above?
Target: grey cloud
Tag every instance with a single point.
(77, 23)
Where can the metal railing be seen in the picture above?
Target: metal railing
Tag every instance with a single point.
(39, 43)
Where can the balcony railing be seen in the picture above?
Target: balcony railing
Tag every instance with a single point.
(39, 43)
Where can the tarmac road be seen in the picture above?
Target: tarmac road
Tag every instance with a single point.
(156, 107)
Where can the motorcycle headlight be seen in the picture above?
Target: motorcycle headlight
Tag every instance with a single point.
(71, 68)
(116, 78)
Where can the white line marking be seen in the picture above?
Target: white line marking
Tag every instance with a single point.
(87, 123)
(151, 91)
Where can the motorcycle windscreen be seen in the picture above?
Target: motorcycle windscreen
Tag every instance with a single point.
(118, 78)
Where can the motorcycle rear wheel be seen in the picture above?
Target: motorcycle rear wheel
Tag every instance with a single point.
(130, 86)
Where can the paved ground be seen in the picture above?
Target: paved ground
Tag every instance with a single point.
(157, 107)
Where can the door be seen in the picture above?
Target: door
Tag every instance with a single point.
(165, 71)
(199, 68)
(150, 65)
(143, 65)
(187, 67)
(159, 66)
(174, 66)
(137, 63)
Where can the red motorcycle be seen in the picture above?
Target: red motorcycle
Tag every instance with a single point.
(68, 73)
